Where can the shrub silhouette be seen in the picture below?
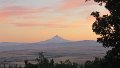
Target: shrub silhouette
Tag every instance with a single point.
(43, 62)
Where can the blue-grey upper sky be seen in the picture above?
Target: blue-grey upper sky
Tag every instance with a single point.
(30, 3)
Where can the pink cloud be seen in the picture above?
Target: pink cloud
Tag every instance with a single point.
(68, 4)
(8, 11)
(71, 4)
(18, 11)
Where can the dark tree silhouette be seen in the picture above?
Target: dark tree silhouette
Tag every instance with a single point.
(108, 27)
(43, 62)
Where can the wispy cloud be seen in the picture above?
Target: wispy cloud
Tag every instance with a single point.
(18, 11)
(71, 4)
(49, 25)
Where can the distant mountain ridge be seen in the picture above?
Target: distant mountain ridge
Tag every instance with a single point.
(56, 41)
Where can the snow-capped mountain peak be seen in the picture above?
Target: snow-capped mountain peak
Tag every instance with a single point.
(56, 39)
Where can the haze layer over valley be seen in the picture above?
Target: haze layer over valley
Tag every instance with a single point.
(57, 48)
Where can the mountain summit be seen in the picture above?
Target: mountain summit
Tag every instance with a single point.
(56, 39)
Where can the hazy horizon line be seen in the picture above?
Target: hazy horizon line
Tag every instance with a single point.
(42, 41)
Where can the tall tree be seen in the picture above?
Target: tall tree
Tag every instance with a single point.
(108, 27)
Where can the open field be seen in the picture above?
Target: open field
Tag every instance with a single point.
(78, 54)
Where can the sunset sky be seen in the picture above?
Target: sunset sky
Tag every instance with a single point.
(38, 20)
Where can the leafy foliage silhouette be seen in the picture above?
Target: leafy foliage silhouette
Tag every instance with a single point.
(108, 27)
